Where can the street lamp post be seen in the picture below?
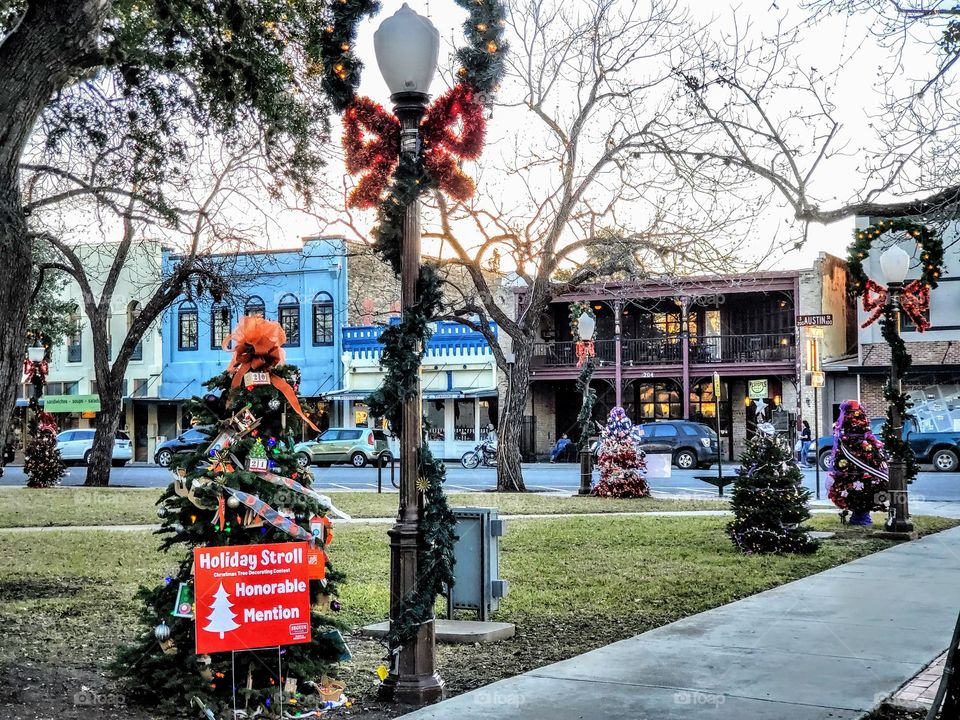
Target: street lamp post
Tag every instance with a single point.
(894, 264)
(407, 46)
(586, 325)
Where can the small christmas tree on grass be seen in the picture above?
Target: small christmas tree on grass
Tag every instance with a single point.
(859, 466)
(622, 463)
(42, 463)
(244, 487)
(769, 502)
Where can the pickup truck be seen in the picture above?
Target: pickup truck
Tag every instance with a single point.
(940, 449)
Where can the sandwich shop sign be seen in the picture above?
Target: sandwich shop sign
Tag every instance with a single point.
(251, 596)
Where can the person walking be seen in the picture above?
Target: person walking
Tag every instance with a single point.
(805, 440)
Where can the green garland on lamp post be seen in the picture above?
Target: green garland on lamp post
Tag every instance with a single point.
(480, 70)
(582, 325)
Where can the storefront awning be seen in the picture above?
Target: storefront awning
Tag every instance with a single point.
(481, 392)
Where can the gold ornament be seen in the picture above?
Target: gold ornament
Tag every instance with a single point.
(423, 484)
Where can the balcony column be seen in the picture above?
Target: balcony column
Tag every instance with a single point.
(685, 353)
(618, 355)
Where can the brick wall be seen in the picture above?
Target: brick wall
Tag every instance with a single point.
(935, 352)
(871, 395)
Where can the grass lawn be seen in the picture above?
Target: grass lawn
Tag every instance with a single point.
(575, 584)
(66, 506)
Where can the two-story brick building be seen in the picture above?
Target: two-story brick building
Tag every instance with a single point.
(659, 343)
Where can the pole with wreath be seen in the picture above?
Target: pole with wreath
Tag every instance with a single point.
(886, 303)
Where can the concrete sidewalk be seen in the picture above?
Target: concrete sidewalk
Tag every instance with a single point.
(829, 646)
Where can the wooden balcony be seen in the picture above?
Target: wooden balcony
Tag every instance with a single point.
(746, 350)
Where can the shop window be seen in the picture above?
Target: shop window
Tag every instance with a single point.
(75, 342)
(434, 411)
(219, 325)
(188, 331)
(288, 315)
(464, 412)
(323, 319)
(254, 307)
(660, 401)
(133, 312)
(489, 413)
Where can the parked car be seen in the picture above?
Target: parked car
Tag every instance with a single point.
(187, 441)
(75, 446)
(940, 449)
(693, 445)
(357, 446)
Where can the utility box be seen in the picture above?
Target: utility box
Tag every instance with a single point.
(478, 586)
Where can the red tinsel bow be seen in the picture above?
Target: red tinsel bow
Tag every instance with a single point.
(914, 300)
(32, 369)
(585, 349)
(258, 348)
(442, 146)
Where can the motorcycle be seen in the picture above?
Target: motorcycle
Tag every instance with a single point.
(485, 453)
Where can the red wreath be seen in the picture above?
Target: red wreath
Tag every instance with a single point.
(443, 147)
(585, 349)
(915, 301)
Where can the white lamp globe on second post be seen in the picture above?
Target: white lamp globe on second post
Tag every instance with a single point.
(36, 354)
(586, 324)
(407, 46)
(894, 264)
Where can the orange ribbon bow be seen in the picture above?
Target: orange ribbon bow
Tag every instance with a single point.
(914, 300)
(442, 147)
(258, 347)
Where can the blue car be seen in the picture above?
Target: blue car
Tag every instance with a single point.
(940, 449)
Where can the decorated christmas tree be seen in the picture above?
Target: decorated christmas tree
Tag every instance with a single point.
(243, 487)
(42, 464)
(622, 463)
(859, 466)
(769, 502)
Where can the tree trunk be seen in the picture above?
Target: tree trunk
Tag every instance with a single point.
(108, 420)
(509, 470)
(15, 249)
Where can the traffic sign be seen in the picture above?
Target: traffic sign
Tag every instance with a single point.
(814, 320)
(816, 379)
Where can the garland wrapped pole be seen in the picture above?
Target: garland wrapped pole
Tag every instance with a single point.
(583, 323)
(886, 304)
(400, 156)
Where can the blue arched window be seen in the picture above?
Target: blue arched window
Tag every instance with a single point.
(255, 307)
(322, 319)
(187, 331)
(288, 315)
(219, 324)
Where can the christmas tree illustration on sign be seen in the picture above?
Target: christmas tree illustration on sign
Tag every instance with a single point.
(221, 619)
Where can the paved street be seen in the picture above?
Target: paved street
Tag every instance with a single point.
(543, 477)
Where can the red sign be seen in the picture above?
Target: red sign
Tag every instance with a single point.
(251, 596)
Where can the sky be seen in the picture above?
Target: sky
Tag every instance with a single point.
(838, 41)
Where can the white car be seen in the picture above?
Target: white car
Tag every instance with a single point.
(76, 445)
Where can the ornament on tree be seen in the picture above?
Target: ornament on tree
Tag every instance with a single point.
(769, 501)
(859, 475)
(257, 458)
(162, 631)
(621, 461)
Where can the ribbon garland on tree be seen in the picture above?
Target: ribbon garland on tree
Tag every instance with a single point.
(481, 69)
(258, 347)
(915, 301)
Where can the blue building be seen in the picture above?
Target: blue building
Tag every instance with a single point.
(304, 290)
(459, 383)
